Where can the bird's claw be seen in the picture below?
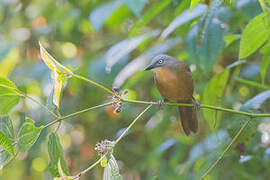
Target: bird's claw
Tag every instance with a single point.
(197, 105)
(161, 103)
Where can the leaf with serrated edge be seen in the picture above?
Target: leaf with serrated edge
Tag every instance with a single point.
(8, 96)
(5, 143)
(28, 135)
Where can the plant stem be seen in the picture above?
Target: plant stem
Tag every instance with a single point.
(76, 113)
(226, 149)
(117, 140)
(202, 106)
(20, 93)
(131, 124)
(36, 101)
(251, 83)
(95, 83)
(92, 166)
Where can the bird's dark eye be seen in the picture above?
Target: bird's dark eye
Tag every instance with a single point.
(160, 61)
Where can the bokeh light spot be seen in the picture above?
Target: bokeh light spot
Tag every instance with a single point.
(69, 50)
(243, 91)
(39, 164)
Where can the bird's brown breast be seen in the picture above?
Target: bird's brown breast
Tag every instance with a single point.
(174, 84)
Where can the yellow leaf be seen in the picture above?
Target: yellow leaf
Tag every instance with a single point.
(59, 81)
(52, 63)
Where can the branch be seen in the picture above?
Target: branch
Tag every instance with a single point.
(116, 141)
(77, 113)
(20, 93)
(226, 150)
(251, 83)
(95, 83)
(201, 106)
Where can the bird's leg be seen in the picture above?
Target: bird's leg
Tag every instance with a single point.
(161, 102)
(196, 103)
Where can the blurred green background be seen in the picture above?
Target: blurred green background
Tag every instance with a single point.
(110, 42)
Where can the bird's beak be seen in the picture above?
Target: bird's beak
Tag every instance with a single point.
(149, 67)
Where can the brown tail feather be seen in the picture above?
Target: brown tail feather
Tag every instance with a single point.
(188, 117)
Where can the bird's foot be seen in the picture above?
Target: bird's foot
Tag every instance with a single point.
(197, 105)
(161, 103)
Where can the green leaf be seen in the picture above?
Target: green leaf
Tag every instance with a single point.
(213, 95)
(99, 15)
(135, 6)
(205, 41)
(193, 3)
(56, 157)
(252, 105)
(231, 38)
(256, 101)
(28, 135)
(7, 128)
(5, 143)
(117, 51)
(183, 18)
(141, 61)
(8, 96)
(111, 171)
(254, 35)
(148, 16)
(265, 60)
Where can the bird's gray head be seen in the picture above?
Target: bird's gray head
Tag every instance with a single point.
(162, 60)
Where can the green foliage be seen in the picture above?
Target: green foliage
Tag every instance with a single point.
(193, 3)
(252, 105)
(8, 96)
(124, 47)
(265, 60)
(205, 41)
(148, 16)
(213, 96)
(7, 136)
(56, 157)
(111, 170)
(254, 35)
(5, 143)
(135, 6)
(99, 16)
(28, 135)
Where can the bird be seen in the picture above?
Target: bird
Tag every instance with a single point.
(174, 81)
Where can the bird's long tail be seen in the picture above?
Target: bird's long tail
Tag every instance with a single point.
(188, 117)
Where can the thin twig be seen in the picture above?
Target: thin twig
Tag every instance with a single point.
(251, 83)
(131, 124)
(201, 106)
(226, 150)
(20, 93)
(95, 83)
(116, 141)
(76, 113)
